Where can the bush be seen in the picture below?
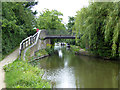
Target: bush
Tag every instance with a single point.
(75, 48)
(49, 49)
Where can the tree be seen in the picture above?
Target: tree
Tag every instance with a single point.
(98, 26)
(17, 23)
(50, 20)
(70, 25)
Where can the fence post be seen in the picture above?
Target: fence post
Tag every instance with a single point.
(22, 46)
(20, 51)
(33, 39)
(29, 41)
(25, 44)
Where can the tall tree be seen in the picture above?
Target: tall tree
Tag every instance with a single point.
(70, 25)
(50, 20)
(98, 24)
(17, 23)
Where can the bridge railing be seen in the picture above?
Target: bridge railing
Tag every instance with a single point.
(26, 42)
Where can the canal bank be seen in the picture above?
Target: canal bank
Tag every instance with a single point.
(79, 51)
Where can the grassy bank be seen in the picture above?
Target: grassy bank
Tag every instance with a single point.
(20, 74)
(75, 48)
(41, 53)
(49, 50)
(79, 51)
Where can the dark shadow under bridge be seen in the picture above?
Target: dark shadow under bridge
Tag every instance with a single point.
(61, 37)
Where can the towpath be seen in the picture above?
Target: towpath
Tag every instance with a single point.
(9, 59)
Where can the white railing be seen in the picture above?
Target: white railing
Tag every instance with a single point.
(29, 41)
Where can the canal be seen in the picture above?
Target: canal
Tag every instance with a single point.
(67, 70)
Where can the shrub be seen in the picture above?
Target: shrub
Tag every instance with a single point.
(49, 49)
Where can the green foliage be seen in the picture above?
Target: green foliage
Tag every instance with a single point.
(17, 23)
(41, 53)
(70, 41)
(75, 48)
(49, 49)
(98, 26)
(20, 74)
(70, 25)
(28, 56)
(50, 20)
(70, 31)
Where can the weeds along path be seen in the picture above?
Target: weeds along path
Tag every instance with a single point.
(9, 59)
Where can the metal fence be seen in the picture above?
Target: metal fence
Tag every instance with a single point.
(26, 42)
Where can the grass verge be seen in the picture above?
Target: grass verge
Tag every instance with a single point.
(20, 74)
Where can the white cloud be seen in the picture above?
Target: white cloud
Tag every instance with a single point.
(67, 7)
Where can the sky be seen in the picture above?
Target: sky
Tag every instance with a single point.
(67, 7)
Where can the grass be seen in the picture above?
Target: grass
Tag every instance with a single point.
(20, 74)
(27, 56)
(41, 53)
(48, 51)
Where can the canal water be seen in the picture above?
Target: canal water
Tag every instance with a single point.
(67, 70)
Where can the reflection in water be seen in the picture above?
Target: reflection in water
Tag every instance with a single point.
(60, 53)
(57, 48)
(73, 71)
(66, 64)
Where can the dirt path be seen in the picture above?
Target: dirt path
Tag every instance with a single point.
(9, 59)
